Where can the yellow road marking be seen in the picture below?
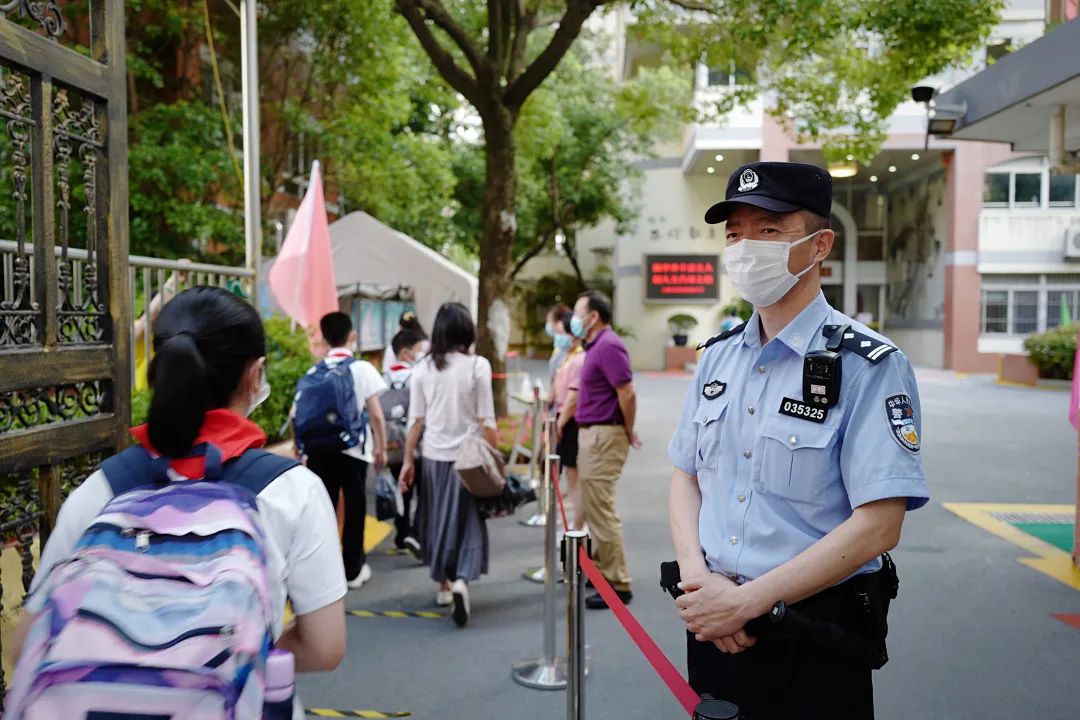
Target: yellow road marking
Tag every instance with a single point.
(1051, 560)
(397, 614)
(375, 531)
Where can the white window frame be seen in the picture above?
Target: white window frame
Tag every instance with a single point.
(1011, 286)
(1008, 312)
(1008, 192)
(1044, 188)
(1076, 194)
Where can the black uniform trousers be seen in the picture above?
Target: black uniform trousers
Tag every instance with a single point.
(349, 475)
(781, 678)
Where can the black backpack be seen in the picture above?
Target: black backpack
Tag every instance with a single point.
(395, 407)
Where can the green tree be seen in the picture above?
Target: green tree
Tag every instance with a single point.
(178, 196)
(835, 68)
(341, 78)
(580, 137)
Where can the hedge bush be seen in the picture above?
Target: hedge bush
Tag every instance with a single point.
(287, 359)
(1053, 352)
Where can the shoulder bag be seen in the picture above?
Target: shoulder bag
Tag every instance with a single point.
(479, 465)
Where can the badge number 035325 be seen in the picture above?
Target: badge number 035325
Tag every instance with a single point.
(803, 411)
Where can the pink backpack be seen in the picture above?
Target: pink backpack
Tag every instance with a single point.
(164, 607)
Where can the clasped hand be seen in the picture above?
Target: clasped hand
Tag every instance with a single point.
(713, 608)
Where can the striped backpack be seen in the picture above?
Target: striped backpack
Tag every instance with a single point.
(163, 611)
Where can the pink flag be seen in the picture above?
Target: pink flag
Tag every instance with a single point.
(1074, 404)
(302, 277)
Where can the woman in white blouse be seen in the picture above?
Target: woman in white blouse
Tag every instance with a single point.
(450, 398)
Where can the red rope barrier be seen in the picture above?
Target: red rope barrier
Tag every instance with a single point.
(652, 652)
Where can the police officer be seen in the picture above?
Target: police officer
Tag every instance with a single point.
(796, 458)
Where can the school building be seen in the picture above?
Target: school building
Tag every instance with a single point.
(955, 249)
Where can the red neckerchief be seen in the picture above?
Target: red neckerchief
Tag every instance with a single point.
(398, 366)
(339, 353)
(232, 434)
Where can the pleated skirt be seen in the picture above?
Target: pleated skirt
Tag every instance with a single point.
(455, 537)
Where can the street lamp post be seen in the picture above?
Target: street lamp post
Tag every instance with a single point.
(250, 90)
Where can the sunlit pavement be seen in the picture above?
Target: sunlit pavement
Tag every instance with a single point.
(972, 632)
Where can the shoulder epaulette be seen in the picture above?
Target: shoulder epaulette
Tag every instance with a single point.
(722, 336)
(865, 346)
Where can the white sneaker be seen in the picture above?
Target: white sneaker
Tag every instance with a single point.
(461, 602)
(444, 598)
(358, 582)
(413, 546)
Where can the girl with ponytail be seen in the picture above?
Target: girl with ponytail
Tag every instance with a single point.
(208, 374)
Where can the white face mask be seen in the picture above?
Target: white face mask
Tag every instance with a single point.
(759, 269)
(261, 394)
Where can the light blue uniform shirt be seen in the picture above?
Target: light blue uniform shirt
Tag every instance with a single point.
(772, 485)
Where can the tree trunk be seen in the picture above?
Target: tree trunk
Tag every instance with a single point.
(496, 248)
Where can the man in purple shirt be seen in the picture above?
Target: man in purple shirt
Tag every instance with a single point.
(605, 416)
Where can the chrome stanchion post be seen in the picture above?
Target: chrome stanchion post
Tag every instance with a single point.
(536, 520)
(547, 505)
(709, 709)
(547, 672)
(551, 558)
(573, 542)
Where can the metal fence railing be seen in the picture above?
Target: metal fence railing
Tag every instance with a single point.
(153, 283)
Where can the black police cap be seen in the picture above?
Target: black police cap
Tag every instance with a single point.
(781, 187)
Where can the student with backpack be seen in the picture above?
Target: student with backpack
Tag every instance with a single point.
(407, 321)
(339, 428)
(162, 588)
(408, 347)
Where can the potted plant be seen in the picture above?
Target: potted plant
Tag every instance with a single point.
(679, 325)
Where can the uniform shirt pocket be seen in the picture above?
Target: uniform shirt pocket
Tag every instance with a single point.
(709, 423)
(795, 460)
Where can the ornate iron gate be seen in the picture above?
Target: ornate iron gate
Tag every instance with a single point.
(65, 382)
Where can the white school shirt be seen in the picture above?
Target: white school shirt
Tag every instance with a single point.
(453, 402)
(303, 550)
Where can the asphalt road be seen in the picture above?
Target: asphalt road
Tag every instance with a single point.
(971, 632)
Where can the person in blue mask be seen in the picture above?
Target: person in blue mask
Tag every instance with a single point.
(564, 390)
(552, 323)
(796, 458)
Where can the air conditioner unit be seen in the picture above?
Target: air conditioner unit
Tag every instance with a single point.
(1072, 243)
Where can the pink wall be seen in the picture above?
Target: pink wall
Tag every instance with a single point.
(964, 169)
(775, 142)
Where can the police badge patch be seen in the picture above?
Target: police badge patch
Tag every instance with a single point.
(713, 390)
(748, 180)
(901, 417)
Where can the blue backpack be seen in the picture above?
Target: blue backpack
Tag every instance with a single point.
(327, 419)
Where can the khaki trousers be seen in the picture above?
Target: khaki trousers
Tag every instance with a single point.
(602, 451)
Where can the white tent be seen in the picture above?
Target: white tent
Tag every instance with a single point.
(369, 253)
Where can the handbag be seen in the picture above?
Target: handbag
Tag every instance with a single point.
(479, 465)
(388, 501)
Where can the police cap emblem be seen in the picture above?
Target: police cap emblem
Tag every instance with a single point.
(713, 390)
(901, 417)
(748, 180)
